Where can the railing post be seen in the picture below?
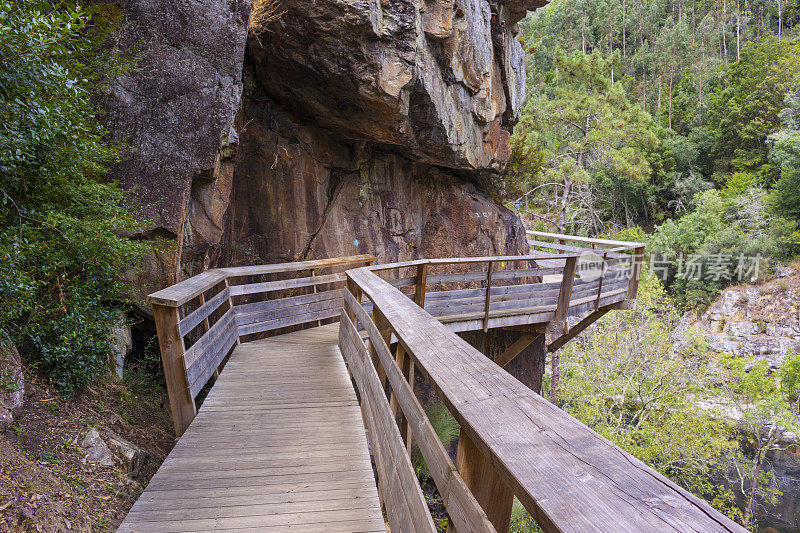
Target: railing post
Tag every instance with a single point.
(420, 282)
(559, 324)
(171, 343)
(636, 270)
(485, 483)
(488, 296)
(600, 281)
(386, 332)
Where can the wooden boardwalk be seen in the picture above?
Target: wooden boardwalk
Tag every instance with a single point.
(279, 444)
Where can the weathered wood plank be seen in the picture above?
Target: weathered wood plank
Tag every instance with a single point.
(406, 495)
(532, 443)
(462, 507)
(280, 285)
(180, 293)
(201, 313)
(295, 320)
(274, 447)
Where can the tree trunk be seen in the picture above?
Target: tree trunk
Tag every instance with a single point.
(724, 29)
(624, 32)
(562, 215)
(659, 100)
(671, 75)
(738, 31)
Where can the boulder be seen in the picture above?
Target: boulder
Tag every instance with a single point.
(131, 456)
(174, 110)
(12, 381)
(365, 126)
(95, 449)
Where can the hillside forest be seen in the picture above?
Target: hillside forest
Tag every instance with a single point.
(674, 123)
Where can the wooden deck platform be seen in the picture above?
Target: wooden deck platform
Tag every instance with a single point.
(278, 445)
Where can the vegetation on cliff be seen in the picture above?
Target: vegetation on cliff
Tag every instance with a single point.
(64, 242)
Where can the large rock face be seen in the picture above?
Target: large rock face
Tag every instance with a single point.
(174, 110)
(440, 81)
(301, 192)
(362, 127)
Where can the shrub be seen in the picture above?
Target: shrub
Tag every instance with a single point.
(64, 241)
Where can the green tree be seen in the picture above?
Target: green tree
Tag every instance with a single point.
(766, 415)
(64, 243)
(745, 109)
(590, 136)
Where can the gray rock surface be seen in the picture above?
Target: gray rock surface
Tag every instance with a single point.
(131, 456)
(12, 381)
(757, 321)
(95, 449)
(121, 344)
(175, 107)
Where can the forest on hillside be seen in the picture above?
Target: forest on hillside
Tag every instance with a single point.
(643, 112)
(677, 124)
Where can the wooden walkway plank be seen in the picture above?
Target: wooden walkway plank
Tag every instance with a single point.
(279, 444)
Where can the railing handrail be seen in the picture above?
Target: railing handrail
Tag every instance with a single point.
(188, 289)
(542, 454)
(627, 245)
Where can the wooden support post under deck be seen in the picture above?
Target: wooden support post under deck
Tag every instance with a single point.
(494, 495)
(181, 402)
(512, 351)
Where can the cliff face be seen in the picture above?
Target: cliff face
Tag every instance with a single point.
(341, 127)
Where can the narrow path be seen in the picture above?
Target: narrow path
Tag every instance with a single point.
(278, 445)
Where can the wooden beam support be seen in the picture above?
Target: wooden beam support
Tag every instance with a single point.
(578, 328)
(514, 350)
(485, 483)
(170, 342)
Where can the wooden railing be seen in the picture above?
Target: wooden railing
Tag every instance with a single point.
(398, 320)
(201, 319)
(544, 288)
(512, 441)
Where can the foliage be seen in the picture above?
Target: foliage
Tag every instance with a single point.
(745, 111)
(766, 414)
(522, 521)
(446, 428)
(723, 240)
(790, 378)
(626, 380)
(64, 243)
(588, 139)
